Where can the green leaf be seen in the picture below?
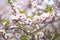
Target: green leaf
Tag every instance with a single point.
(19, 25)
(26, 29)
(48, 8)
(23, 38)
(6, 21)
(55, 35)
(9, 2)
(21, 11)
(30, 17)
(37, 31)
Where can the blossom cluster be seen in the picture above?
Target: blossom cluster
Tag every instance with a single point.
(25, 19)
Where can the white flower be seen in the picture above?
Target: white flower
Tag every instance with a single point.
(17, 35)
(14, 26)
(51, 2)
(24, 2)
(44, 16)
(21, 22)
(37, 26)
(17, 14)
(2, 30)
(14, 4)
(39, 7)
(28, 21)
(8, 35)
(58, 14)
(36, 19)
(41, 34)
(49, 19)
(29, 12)
(14, 17)
(46, 1)
(22, 16)
(33, 9)
(34, 4)
(39, 1)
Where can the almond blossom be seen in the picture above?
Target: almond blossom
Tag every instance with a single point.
(29, 20)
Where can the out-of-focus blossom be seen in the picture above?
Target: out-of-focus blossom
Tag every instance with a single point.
(46, 1)
(39, 2)
(8, 35)
(41, 34)
(36, 19)
(17, 35)
(33, 9)
(29, 12)
(23, 16)
(2, 31)
(34, 3)
(51, 2)
(58, 14)
(39, 7)
(44, 16)
(14, 26)
(28, 21)
(14, 17)
(37, 26)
